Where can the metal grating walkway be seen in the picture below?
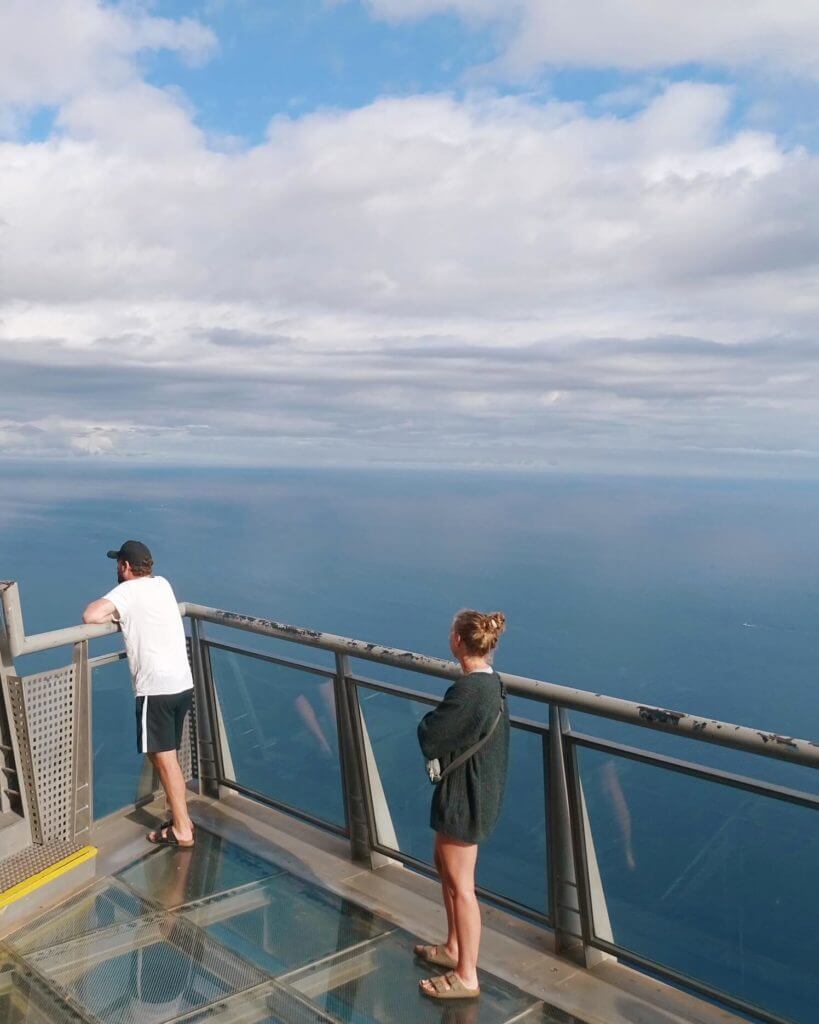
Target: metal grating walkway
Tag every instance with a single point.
(218, 934)
(21, 866)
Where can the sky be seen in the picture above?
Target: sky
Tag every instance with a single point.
(469, 233)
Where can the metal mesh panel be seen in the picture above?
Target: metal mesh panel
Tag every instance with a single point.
(50, 714)
(188, 756)
(9, 799)
(44, 718)
(26, 770)
(153, 969)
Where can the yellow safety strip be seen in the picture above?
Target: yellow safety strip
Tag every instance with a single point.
(28, 885)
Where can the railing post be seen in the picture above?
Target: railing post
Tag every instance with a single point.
(13, 615)
(12, 791)
(83, 770)
(568, 911)
(7, 760)
(206, 724)
(352, 761)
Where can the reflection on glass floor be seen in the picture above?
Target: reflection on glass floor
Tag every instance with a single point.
(379, 982)
(217, 934)
(24, 1000)
(171, 878)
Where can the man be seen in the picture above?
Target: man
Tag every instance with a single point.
(148, 614)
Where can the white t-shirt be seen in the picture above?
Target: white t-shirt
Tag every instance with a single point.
(154, 635)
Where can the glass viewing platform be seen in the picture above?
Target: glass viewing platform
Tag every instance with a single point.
(650, 867)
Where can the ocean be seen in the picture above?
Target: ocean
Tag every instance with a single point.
(696, 594)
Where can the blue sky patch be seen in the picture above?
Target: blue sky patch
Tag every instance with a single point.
(301, 55)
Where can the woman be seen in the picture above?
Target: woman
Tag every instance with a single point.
(467, 801)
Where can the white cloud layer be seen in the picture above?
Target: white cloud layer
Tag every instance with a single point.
(419, 206)
(422, 279)
(638, 34)
(52, 50)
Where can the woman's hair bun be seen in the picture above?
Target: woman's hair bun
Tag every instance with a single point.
(496, 622)
(479, 631)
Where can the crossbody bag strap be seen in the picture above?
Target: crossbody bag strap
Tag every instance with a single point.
(463, 758)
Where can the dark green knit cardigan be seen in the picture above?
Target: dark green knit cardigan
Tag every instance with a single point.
(467, 803)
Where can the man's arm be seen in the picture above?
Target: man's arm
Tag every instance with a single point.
(99, 612)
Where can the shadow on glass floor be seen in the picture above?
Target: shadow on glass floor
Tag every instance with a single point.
(171, 877)
(215, 933)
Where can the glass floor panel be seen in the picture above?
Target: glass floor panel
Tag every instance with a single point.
(377, 983)
(106, 903)
(285, 923)
(23, 999)
(170, 877)
(214, 934)
(550, 1015)
(269, 1004)
(150, 970)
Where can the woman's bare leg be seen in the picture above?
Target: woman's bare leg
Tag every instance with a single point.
(449, 903)
(458, 860)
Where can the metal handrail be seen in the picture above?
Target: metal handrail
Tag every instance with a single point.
(574, 887)
(659, 719)
(21, 645)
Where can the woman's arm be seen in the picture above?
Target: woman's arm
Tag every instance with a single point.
(454, 724)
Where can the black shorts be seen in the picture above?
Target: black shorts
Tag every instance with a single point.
(160, 719)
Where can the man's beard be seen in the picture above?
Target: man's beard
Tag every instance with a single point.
(120, 577)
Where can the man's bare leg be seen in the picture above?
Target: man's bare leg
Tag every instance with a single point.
(173, 782)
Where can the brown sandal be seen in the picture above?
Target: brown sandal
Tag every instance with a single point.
(449, 986)
(435, 955)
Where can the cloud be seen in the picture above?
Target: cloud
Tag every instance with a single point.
(637, 34)
(54, 50)
(490, 206)
(425, 400)
(63, 435)
(427, 279)
(230, 338)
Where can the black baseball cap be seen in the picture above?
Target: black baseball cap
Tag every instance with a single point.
(132, 551)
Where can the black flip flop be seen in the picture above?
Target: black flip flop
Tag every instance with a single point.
(169, 839)
(161, 828)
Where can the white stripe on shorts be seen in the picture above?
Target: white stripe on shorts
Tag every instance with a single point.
(145, 725)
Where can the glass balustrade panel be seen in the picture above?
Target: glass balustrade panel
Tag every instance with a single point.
(122, 776)
(714, 882)
(279, 733)
(513, 862)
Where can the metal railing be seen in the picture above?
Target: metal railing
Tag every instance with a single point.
(576, 908)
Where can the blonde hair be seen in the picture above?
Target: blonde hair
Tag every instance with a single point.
(479, 631)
